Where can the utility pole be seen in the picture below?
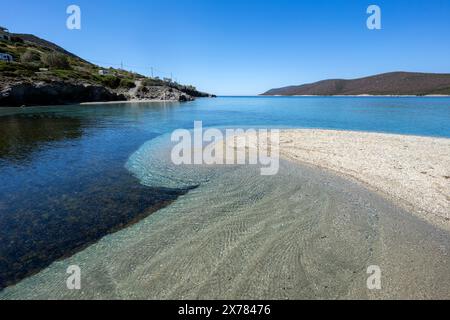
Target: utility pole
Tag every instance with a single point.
(152, 71)
(121, 65)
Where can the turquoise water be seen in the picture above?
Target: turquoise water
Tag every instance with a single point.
(67, 181)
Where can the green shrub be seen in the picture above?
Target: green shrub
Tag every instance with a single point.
(65, 74)
(24, 73)
(4, 66)
(30, 56)
(17, 68)
(110, 81)
(56, 61)
(148, 82)
(127, 83)
(17, 40)
(9, 74)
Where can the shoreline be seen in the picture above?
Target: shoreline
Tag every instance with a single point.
(99, 103)
(127, 102)
(411, 171)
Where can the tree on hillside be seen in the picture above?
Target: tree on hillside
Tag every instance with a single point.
(30, 56)
(56, 61)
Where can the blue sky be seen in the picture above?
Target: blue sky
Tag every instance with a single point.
(232, 47)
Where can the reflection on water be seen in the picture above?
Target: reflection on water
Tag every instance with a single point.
(63, 181)
(20, 135)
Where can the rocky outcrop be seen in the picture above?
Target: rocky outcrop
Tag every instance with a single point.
(53, 93)
(32, 93)
(160, 93)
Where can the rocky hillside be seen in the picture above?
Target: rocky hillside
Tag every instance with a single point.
(394, 83)
(42, 73)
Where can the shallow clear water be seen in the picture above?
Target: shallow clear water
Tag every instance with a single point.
(301, 234)
(70, 175)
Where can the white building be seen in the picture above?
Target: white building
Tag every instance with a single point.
(4, 34)
(6, 57)
(104, 72)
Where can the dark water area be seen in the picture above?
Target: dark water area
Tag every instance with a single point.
(63, 181)
(21, 135)
(57, 222)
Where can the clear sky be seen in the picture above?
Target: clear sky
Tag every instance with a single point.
(240, 47)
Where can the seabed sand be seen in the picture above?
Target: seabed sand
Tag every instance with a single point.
(411, 170)
(304, 233)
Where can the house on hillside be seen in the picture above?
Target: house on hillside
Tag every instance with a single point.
(6, 57)
(103, 72)
(4, 34)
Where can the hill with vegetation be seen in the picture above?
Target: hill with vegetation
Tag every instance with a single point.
(394, 83)
(43, 73)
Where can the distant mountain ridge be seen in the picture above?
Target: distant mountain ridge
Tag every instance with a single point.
(393, 83)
